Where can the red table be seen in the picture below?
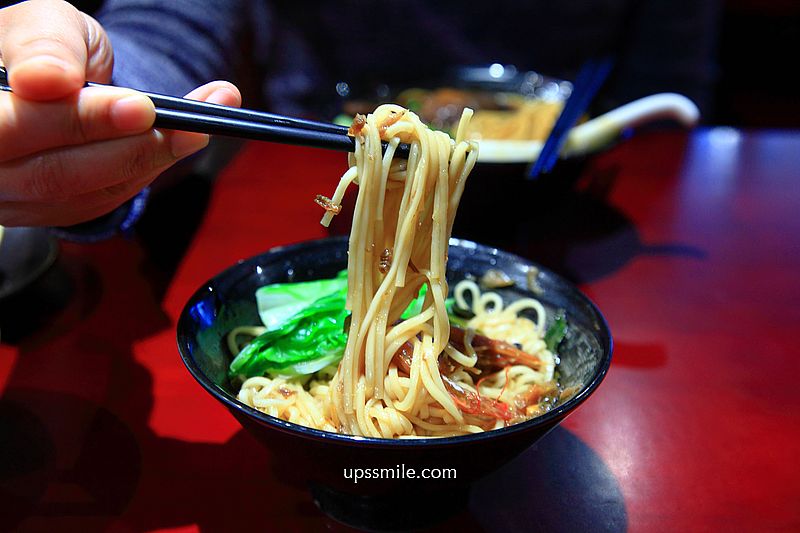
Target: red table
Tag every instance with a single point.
(696, 427)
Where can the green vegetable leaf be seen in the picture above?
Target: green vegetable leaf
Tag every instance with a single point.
(315, 332)
(556, 332)
(280, 301)
(309, 367)
(415, 307)
(305, 329)
(455, 320)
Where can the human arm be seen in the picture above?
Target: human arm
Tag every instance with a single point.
(67, 153)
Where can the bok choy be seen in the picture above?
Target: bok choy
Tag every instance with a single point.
(305, 329)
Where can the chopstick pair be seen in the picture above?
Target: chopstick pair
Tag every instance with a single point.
(590, 78)
(201, 117)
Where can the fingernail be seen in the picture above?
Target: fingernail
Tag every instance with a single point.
(132, 113)
(45, 77)
(183, 144)
(221, 96)
(44, 61)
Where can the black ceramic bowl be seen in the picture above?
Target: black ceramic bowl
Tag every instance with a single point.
(321, 459)
(25, 254)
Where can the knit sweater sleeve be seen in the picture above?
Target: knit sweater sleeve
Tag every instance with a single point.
(173, 46)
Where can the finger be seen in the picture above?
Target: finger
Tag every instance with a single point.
(45, 46)
(65, 173)
(96, 113)
(100, 63)
(86, 206)
(216, 92)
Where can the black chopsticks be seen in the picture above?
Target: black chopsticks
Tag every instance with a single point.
(189, 115)
(588, 81)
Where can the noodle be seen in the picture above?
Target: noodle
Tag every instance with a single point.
(414, 224)
(398, 243)
(529, 120)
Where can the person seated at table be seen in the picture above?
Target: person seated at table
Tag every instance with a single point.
(69, 155)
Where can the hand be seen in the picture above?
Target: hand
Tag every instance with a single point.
(69, 153)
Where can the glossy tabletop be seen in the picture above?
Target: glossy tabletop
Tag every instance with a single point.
(688, 243)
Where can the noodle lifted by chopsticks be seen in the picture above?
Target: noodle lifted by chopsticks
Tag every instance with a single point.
(402, 222)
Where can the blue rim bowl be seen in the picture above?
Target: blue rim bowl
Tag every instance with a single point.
(318, 458)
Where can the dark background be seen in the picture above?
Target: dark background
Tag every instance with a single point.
(757, 81)
(756, 78)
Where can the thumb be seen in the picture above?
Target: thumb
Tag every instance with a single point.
(50, 49)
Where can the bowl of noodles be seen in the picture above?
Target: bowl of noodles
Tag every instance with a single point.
(322, 459)
(514, 112)
(365, 362)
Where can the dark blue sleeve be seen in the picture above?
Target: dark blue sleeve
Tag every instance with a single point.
(119, 221)
(173, 46)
